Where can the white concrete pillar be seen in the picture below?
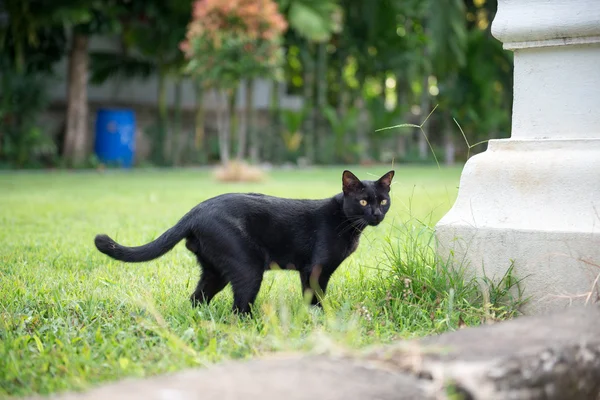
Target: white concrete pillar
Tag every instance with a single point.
(535, 198)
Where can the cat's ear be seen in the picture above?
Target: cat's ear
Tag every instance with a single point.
(386, 180)
(350, 183)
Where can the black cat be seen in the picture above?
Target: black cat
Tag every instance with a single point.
(236, 237)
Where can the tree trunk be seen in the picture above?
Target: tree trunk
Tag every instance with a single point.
(425, 104)
(360, 136)
(198, 138)
(4, 104)
(272, 149)
(177, 139)
(342, 108)
(18, 44)
(232, 117)
(449, 145)
(77, 106)
(223, 124)
(244, 124)
(321, 95)
(343, 93)
(400, 147)
(252, 122)
(424, 112)
(450, 148)
(309, 101)
(365, 125)
(401, 102)
(158, 150)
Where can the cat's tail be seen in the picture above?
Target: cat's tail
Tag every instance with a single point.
(146, 252)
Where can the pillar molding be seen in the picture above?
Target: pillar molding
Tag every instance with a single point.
(534, 199)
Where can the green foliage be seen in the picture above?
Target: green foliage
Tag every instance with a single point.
(484, 94)
(109, 65)
(343, 126)
(381, 116)
(235, 58)
(31, 42)
(448, 35)
(22, 142)
(35, 37)
(227, 43)
(150, 33)
(313, 20)
(339, 53)
(292, 123)
(438, 292)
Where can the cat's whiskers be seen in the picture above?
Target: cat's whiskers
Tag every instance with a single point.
(354, 222)
(349, 220)
(345, 229)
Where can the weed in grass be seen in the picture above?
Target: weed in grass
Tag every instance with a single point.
(424, 293)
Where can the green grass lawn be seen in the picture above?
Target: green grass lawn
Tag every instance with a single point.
(72, 317)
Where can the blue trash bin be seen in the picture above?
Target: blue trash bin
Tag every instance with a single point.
(115, 137)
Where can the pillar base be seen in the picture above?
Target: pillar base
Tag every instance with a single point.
(535, 203)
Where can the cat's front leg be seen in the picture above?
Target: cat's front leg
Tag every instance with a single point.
(314, 283)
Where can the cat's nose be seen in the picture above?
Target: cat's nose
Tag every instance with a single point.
(377, 213)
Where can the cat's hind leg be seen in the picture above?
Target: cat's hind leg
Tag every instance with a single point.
(211, 281)
(192, 244)
(210, 284)
(246, 285)
(237, 260)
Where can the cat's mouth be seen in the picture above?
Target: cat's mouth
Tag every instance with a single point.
(375, 221)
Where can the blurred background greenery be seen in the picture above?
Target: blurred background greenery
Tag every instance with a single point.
(205, 87)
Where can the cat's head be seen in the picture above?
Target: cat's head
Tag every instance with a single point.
(366, 201)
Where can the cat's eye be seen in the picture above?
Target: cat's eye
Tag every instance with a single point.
(383, 202)
(363, 203)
